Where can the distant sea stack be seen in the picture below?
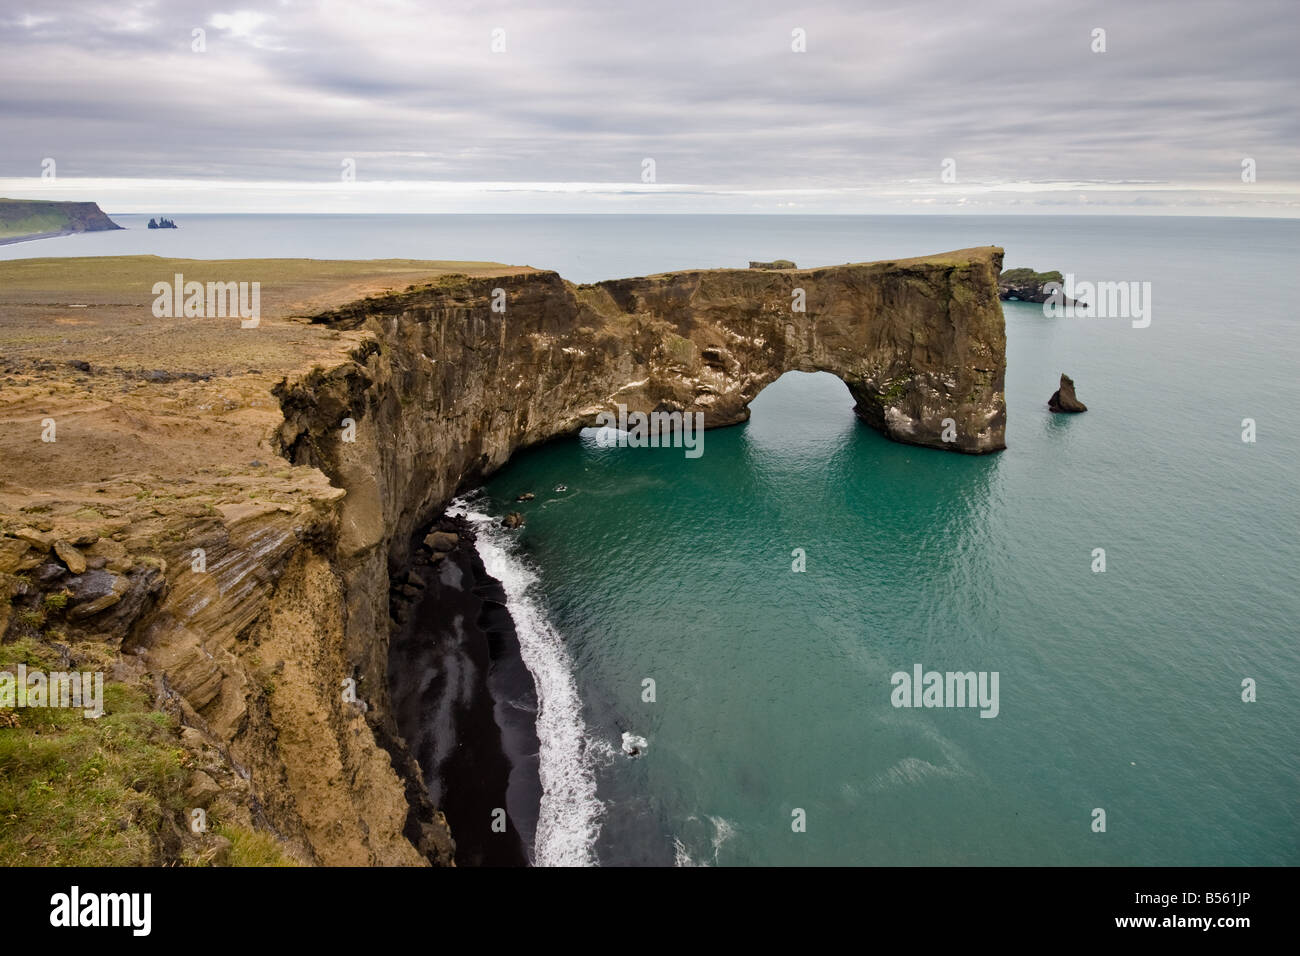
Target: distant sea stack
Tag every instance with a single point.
(1064, 399)
(162, 222)
(22, 219)
(1026, 285)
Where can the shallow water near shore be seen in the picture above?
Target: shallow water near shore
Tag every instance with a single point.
(1119, 690)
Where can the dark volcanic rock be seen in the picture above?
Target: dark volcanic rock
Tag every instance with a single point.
(466, 706)
(95, 591)
(50, 572)
(1026, 285)
(1064, 399)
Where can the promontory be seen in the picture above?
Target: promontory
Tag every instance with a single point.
(208, 509)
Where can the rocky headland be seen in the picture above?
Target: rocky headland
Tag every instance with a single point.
(233, 522)
(22, 219)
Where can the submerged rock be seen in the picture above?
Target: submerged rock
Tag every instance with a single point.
(1064, 399)
(526, 496)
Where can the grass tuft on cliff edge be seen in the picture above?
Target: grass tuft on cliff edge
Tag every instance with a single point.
(78, 791)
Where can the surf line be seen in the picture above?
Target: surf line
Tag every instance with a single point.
(568, 821)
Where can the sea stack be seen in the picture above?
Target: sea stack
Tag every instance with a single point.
(1064, 399)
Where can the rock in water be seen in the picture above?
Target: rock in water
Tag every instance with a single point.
(513, 520)
(1064, 399)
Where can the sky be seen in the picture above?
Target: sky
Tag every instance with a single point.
(739, 106)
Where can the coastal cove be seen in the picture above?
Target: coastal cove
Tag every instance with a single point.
(771, 685)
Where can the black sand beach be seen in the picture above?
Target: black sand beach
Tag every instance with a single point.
(465, 702)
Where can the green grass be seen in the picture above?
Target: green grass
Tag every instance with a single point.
(27, 217)
(34, 224)
(253, 848)
(1024, 276)
(77, 791)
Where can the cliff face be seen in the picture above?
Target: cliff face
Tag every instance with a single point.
(441, 389)
(29, 218)
(444, 390)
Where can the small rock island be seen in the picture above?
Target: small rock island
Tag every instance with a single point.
(1026, 285)
(1064, 399)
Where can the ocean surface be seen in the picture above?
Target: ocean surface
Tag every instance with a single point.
(1118, 690)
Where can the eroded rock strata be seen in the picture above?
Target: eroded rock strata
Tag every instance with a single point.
(414, 395)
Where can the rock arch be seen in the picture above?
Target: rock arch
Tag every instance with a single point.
(444, 389)
(917, 341)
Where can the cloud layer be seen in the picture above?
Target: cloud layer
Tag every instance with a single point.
(1012, 92)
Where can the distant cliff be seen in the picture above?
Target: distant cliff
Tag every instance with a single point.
(38, 219)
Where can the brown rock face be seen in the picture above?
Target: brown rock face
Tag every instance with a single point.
(70, 556)
(1064, 399)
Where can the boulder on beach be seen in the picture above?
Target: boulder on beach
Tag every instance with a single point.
(1064, 399)
(441, 541)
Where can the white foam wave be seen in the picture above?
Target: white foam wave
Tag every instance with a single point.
(722, 831)
(569, 818)
(681, 857)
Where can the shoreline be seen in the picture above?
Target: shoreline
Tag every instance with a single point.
(32, 237)
(38, 235)
(464, 701)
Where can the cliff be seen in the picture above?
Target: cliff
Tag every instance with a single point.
(36, 218)
(238, 449)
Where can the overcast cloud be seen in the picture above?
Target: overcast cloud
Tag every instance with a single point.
(585, 91)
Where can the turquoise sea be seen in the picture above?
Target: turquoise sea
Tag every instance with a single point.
(1119, 690)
